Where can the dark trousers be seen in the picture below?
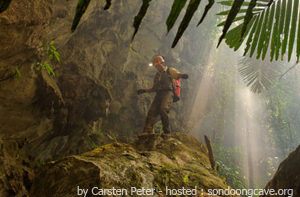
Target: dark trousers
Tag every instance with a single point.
(161, 105)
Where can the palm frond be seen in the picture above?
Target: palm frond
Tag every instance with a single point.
(138, 18)
(207, 8)
(108, 4)
(273, 28)
(270, 25)
(175, 11)
(191, 9)
(80, 10)
(237, 4)
(4, 5)
(257, 74)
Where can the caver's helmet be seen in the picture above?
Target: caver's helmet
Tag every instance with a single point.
(158, 60)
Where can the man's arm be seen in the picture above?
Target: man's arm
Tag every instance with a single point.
(149, 90)
(175, 74)
(142, 91)
(184, 76)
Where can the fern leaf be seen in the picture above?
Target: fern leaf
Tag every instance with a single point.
(230, 3)
(51, 57)
(234, 41)
(235, 20)
(253, 30)
(175, 11)
(257, 74)
(191, 9)
(227, 3)
(248, 16)
(207, 8)
(139, 17)
(80, 10)
(257, 32)
(226, 12)
(18, 72)
(275, 35)
(268, 31)
(56, 55)
(232, 14)
(262, 34)
(286, 27)
(281, 27)
(293, 28)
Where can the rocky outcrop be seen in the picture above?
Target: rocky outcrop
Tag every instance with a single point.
(49, 113)
(91, 100)
(180, 161)
(16, 172)
(99, 72)
(286, 180)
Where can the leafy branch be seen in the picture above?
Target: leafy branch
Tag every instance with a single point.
(258, 75)
(273, 26)
(10, 73)
(52, 52)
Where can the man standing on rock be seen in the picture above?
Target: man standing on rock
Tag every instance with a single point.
(164, 87)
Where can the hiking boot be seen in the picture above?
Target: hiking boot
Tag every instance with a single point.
(145, 134)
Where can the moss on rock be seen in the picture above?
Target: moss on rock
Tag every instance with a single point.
(176, 162)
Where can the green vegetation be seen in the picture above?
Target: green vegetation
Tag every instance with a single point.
(282, 105)
(229, 162)
(186, 179)
(107, 83)
(263, 127)
(158, 127)
(52, 52)
(99, 132)
(18, 72)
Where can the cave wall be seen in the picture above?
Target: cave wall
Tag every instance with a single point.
(92, 99)
(95, 83)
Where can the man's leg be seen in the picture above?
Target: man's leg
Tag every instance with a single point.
(151, 117)
(164, 108)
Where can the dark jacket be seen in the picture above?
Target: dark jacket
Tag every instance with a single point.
(163, 82)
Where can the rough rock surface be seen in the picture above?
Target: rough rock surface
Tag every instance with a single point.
(16, 171)
(287, 176)
(92, 98)
(95, 83)
(155, 162)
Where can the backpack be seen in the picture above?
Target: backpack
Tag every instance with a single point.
(177, 88)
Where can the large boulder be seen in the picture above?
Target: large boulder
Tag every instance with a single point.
(286, 180)
(180, 161)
